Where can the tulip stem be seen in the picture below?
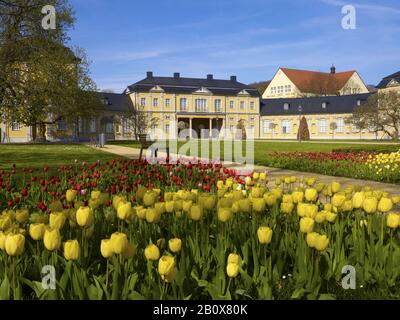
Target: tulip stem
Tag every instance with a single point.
(107, 273)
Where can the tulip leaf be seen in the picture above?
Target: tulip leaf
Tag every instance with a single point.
(5, 289)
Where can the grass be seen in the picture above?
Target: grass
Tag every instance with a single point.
(52, 155)
(263, 148)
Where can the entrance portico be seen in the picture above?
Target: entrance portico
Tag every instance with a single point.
(206, 127)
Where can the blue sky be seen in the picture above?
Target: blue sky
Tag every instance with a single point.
(247, 38)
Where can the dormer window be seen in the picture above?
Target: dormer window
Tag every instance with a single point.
(105, 101)
(286, 106)
(358, 102)
(324, 105)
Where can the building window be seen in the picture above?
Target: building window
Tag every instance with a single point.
(143, 102)
(183, 104)
(286, 106)
(92, 125)
(167, 102)
(126, 126)
(251, 119)
(109, 127)
(232, 104)
(252, 105)
(241, 105)
(324, 104)
(155, 102)
(340, 126)
(167, 117)
(267, 126)
(16, 126)
(323, 126)
(167, 126)
(358, 102)
(273, 90)
(280, 89)
(218, 105)
(201, 105)
(62, 125)
(285, 126)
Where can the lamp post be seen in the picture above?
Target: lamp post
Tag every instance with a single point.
(300, 109)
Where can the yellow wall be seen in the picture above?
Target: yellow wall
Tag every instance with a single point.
(280, 79)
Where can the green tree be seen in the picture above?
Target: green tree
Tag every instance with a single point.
(43, 81)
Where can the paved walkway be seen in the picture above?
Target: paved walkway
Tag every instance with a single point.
(133, 153)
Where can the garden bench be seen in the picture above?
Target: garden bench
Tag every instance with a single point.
(146, 143)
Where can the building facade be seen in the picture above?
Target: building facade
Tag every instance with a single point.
(200, 108)
(113, 117)
(292, 83)
(327, 117)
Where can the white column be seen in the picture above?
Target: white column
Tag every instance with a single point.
(190, 128)
(210, 126)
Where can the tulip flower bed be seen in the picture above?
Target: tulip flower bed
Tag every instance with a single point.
(130, 230)
(357, 165)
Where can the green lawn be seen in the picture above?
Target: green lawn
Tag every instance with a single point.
(52, 155)
(263, 148)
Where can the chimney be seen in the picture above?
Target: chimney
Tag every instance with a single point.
(177, 75)
(333, 69)
(149, 74)
(233, 79)
(210, 77)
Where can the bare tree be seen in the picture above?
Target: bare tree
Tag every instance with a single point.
(322, 85)
(381, 113)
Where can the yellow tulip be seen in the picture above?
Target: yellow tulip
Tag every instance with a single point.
(338, 199)
(22, 215)
(149, 198)
(84, 216)
(393, 220)
(396, 199)
(245, 205)
(264, 235)
(269, 198)
(152, 252)
(141, 212)
(106, 248)
(175, 245)
(232, 270)
(5, 223)
(385, 205)
(3, 237)
(287, 208)
(186, 205)
(152, 216)
(36, 231)
(95, 194)
(287, 198)
(124, 210)
(370, 205)
(196, 212)
(160, 207)
(287, 180)
(278, 181)
(169, 206)
(347, 206)
(311, 210)
(161, 243)
(277, 192)
(331, 217)
(306, 225)
(311, 195)
(298, 196)
(72, 250)
(293, 179)
(321, 216)
(321, 242)
(259, 205)
(328, 206)
(14, 244)
(311, 239)
(57, 220)
(70, 195)
(234, 258)
(263, 176)
(224, 214)
(335, 186)
(302, 209)
(52, 239)
(119, 242)
(117, 200)
(167, 268)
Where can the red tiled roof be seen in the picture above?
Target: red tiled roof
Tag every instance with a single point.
(318, 82)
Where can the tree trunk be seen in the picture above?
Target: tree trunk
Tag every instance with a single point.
(42, 133)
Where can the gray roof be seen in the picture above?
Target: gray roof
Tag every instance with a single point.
(385, 81)
(312, 105)
(189, 85)
(116, 101)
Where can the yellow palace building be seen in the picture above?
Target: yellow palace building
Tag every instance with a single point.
(208, 108)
